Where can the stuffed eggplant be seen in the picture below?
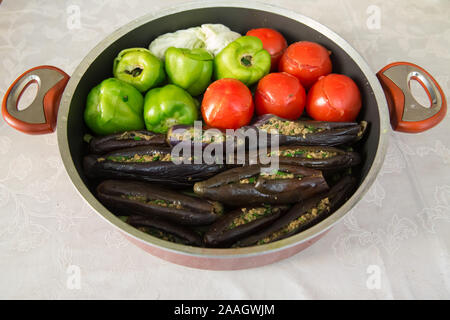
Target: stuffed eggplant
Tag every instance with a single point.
(310, 133)
(256, 184)
(148, 163)
(186, 134)
(164, 229)
(213, 138)
(134, 197)
(240, 223)
(317, 157)
(303, 215)
(127, 139)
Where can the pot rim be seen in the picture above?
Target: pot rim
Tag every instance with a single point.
(227, 253)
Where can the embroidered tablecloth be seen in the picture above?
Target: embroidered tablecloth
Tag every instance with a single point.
(393, 244)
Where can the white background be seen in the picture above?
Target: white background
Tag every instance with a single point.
(402, 225)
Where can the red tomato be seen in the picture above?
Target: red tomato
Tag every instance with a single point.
(227, 104)
(307, 61)
(280, 94)
(273, 42)
(334, 97)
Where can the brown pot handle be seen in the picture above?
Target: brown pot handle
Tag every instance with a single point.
(407, 115)
(40, 116)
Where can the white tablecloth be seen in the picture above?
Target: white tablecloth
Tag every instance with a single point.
(400, 231)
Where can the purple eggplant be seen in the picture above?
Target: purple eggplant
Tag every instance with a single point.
(240, 223)
(127, 139)
(165, 230)
(317, 157)
(250, 185)
(148, 163)
(184, 134)
(310, 133)
(214, 138)
(303, 215)
(134, 197)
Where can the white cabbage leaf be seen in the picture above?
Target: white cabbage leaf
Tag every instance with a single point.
(217, 37)
(212, 37)
(187, 38)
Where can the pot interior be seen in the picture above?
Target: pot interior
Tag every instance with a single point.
(237, 19)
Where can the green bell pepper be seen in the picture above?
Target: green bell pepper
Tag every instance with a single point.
(189, 69)
(243, 59)
(140, 68)
(114, 106)
(167, 106)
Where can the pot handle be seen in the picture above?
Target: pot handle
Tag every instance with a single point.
(407, 115)
(40, 116)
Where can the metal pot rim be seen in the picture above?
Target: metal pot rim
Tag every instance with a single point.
(147, 239)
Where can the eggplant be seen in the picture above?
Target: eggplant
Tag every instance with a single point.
(148, 163)
(317, 157)
(249, 185)
(127, 139)
(240, 223)
(165, 230)
(135, 197)
(184, 135)
(303, 215)
(310, 133)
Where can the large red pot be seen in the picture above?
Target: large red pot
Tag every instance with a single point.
(386, 97)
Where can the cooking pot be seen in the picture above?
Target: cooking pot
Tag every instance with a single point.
(386, 97)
